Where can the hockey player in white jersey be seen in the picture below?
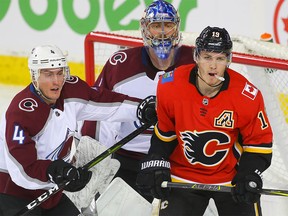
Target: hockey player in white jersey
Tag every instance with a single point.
(36, 133)
(135, 72)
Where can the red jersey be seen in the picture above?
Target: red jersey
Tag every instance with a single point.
(207, 129)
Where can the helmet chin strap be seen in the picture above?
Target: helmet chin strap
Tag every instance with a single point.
(39, 92)
(43, 96)
(213, 86)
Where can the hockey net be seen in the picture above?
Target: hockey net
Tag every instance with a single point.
(265, 64)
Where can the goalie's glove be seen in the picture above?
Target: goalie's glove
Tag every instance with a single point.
(247, 187)
(59, 171)
(146, 111)
(153, 171)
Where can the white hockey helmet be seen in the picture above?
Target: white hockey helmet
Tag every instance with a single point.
(46, 56)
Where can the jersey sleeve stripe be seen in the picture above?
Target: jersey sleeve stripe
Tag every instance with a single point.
(253, 149)
(163, 136)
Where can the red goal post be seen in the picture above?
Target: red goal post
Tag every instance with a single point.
(132, 41)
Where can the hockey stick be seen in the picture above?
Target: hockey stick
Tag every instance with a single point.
(46, 195)
(219, 188)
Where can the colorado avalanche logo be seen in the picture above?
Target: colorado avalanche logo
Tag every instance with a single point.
(28, 104)
(72, 79)
(118, 57)
(54, 155)
(208, 148)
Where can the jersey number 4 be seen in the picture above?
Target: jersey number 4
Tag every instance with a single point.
(18, 134)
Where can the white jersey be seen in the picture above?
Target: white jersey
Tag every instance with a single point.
(130, 72)
(32, 133)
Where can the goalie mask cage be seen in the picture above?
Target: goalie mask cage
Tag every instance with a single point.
(265, 64)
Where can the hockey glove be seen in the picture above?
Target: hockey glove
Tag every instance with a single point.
(82, 178)
(59, 171)
(154, 170)
(146, 111)
(247, 187)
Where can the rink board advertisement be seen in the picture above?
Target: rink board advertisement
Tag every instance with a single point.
(28, 23)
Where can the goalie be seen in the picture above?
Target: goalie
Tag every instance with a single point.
(212, 129)
(135, 72)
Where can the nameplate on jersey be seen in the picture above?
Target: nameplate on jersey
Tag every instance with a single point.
(168, 77)
(250, 91)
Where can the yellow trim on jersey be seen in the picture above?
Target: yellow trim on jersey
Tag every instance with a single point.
(256, 208)
(253, 149)
(238, 147)
(163, 138)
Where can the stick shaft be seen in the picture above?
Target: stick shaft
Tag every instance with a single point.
(117, 146)
(219, 188)
(46, 195)
(194, 186)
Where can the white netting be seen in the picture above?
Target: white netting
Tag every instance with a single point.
(273, 84)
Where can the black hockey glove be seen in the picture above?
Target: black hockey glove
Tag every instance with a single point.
(153, 171)
(82, 178)
(59, 171)
(146, 111)
(247, 187)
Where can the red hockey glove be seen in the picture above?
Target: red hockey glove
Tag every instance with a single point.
(247, 187)
(154, 170)
(146, 112)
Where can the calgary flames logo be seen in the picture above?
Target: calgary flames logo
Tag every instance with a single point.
(280, 22)
(208, 148)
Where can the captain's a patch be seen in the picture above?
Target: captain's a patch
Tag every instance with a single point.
(168, 77)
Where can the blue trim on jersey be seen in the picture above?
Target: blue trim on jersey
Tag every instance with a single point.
(145, 57)
(33, 90)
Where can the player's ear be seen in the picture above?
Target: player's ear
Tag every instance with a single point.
(195, 56)
(229, 59)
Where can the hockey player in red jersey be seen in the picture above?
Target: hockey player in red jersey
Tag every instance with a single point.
(36, 133)
(213, 129)
(135, 72)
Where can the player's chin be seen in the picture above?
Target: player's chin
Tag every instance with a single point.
(212, 80)
(54, 95)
